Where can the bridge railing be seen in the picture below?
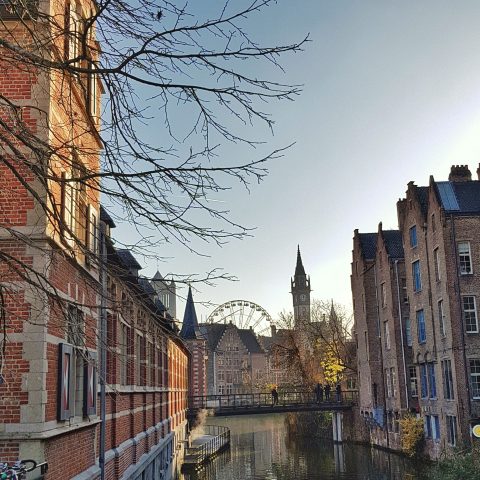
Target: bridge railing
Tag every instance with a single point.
(265, 399)
(220, 439)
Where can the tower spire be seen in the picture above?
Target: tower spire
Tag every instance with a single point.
(299, 270)
(190, 329)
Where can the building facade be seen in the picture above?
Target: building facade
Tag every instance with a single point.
(236, 361)
(51, 290)
(435, 287)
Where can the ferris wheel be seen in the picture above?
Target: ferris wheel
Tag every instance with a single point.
(243, 314)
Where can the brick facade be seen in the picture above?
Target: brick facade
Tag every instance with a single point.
(435, 288)
(51, 292)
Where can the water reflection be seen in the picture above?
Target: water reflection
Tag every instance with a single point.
(261, 448)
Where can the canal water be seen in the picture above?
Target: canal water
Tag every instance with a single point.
(263, 449)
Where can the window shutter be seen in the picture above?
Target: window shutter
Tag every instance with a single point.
(90, 384)
(65, 374)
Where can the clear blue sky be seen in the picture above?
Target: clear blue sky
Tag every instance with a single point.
(391, 94)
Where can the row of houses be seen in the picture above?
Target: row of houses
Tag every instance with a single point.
(67, 293)
(417, 333)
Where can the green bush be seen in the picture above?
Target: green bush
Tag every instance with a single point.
(464, 466)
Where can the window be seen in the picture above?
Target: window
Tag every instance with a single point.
(441, 318)
(75, 326)
(464, 258)
(470, 314)
(74, 33)
(413, 236)
(404, 290)
(427, 426)
(408, 331)
(436, 261)
(451, 429)
(431, 380)
(123, 353)
(413, 381)
(92, 235)
(422, 334)
(435, 428)
(394, 382)
(447, 380)
(388, 380)
(384, 294)
(475, 378)
(73, 206)
(92, 99)
(423, 380)
(387, 335)
(417, 279)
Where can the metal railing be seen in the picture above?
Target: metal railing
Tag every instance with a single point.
(265, 399)
(220, 439)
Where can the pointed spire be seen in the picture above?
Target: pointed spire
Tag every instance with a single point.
(157, 276)
(299, 270)
(190, 329)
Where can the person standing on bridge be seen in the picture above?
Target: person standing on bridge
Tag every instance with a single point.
(274, 396)
(327, 392)
(319, 392)
(338, 390)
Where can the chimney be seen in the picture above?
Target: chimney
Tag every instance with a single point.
(478, 171)
(460, 173)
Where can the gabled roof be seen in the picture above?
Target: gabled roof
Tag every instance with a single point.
(190, 329)
(157, 276)
(146, 286)
(299, 270)
(250, 340)
(368, 245)
(106, 218)
(393, 243)
(212, 333)
(128, 259)
(423, 199)
(459, 197)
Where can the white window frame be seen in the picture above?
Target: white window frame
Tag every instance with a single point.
(474, 310)
(466, 254)
(475, 375)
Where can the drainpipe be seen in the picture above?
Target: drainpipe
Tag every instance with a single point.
(459, 301)
(103, 348)
(400, 316)
(379, 336)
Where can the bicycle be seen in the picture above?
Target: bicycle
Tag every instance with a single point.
(17, 471)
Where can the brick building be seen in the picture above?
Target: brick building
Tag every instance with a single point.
(439, 226)
(50, 286)
(197, 345)
(236, 361)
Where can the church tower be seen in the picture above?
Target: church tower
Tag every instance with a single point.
(300, 285)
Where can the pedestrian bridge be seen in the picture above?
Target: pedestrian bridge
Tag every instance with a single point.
(255, 403)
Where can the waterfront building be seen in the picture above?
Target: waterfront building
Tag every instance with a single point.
(197, 345)
(51, 290)
(436, 310)
(236, 361)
